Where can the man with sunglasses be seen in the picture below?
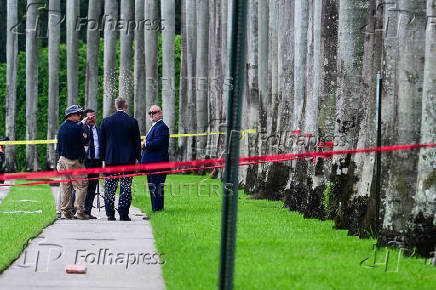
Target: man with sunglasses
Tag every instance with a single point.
(155, 149)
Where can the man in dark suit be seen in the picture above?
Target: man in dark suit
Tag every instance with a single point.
(92, 157)
(120, 145)
(155, 149)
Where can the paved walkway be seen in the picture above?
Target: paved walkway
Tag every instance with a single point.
(118, 255)
(4, 190)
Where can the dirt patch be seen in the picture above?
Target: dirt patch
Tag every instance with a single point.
(294, 196)
(271, 183)
(276, 179)
(422, 237)
(251, 179)
(314, 207)
(342, 191)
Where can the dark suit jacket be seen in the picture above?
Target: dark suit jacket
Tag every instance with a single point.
(157, 143)
(88, 132)
(120, 142)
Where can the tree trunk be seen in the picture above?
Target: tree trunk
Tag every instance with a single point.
(11, 83)
(273, 177)
(110, 56)
(213, 72)
(225, 35)
(424, 212)
(151, 13)
(311, 199)
(92, 52)
(263, 20)
(126, 40)
(319, 169)
(294, 196)
(407, 121)
(327, 96)
(73, 13)
(32, 83)
(314, 69)
(225, 46)
(348, 116)
(277, 174)
(390, 47)
(168, 77)
(301, 16)
(252, 95)
(285, 71)
(191, 43)
(202, 76)
(360, 209)
(218, 124)
(273, 68)
(183, 93)
(245, 118)
(139, 90)
(53, 80)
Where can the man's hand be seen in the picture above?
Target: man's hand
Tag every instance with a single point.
(83, 121)
(84, 137)
(143, 145)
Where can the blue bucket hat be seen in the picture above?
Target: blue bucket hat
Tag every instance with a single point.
(73, 110)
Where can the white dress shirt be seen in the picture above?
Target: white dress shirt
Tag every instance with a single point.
(96, 143)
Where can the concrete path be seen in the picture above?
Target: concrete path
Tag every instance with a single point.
(117, 255)
(4, 190)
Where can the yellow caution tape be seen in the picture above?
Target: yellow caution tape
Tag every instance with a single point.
(248, 131)
(29, 142)
(196, 134)
(54, 141)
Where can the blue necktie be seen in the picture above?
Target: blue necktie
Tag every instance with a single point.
(91, 145)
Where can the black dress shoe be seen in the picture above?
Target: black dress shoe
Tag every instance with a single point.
(111, 218)
(146, 218)
(125, 218)
(91, 217)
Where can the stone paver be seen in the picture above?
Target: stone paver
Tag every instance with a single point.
(118, 255)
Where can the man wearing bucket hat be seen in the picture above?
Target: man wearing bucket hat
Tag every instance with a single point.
(71, 141)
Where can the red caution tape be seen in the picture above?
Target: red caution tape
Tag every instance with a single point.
(325, 144)
(171, 167)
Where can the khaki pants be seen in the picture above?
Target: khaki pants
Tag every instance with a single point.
(66, 189)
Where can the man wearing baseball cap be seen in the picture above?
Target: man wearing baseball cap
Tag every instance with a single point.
(71, 141)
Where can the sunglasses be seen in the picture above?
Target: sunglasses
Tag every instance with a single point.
(153, 112)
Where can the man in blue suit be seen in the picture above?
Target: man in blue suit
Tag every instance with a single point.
(155, 149)
(92, 158)
(120, 145)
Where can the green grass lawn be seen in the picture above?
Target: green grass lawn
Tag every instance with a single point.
(17, 229)
(276, 248)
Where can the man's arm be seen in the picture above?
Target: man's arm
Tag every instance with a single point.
(102, 141)
(85, 134)
(59, 144)
(159, 139)
(137, 140)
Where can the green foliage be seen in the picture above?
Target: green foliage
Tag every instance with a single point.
(43, 80)
(326, 199)
(430, 180)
